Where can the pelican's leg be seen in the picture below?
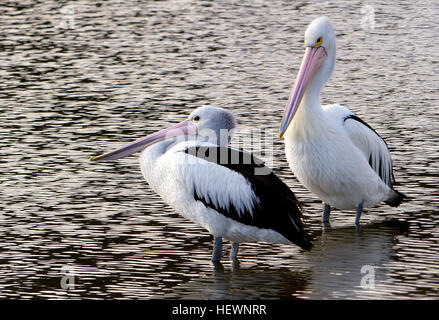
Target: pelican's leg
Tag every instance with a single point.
(326, 212)
(234, 250)
(359, 211)
(217, 248)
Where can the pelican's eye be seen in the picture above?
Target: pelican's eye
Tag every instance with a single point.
(319, 41)
(196, 118)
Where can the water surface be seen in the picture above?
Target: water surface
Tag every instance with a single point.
(80, 79)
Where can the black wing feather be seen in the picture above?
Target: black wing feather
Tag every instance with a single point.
(378, 167)
(382, 168)
(278, 208)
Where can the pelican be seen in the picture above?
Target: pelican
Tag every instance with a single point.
(333, 153)
(227, 191)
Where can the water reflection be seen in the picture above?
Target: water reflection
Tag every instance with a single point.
(236, 282)
(342, 255)
(332, 270)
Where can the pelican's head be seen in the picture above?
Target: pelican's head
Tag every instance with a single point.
(320, 36)
(316, 68)
(213, 124)
(206, 123)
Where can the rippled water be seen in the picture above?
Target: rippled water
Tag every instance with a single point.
(80, 79)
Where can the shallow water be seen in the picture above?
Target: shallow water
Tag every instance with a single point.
(79, 80)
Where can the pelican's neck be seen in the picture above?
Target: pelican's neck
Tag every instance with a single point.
(310, 108)
(310, 119)
(153, 152)
(149, 156)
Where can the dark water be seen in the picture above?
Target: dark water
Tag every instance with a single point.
(80, 79)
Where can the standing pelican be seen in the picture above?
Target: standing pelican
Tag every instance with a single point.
(225, 190)
(334, 153)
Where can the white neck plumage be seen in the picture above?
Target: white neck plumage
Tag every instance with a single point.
(310, 118)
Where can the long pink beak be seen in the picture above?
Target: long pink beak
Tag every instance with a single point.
(182, 128)
(312, 61)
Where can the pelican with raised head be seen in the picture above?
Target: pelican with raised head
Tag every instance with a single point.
(333, 153)
(227, 191)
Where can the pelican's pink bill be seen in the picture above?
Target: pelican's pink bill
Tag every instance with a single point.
(182, 128)
(312, 61)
